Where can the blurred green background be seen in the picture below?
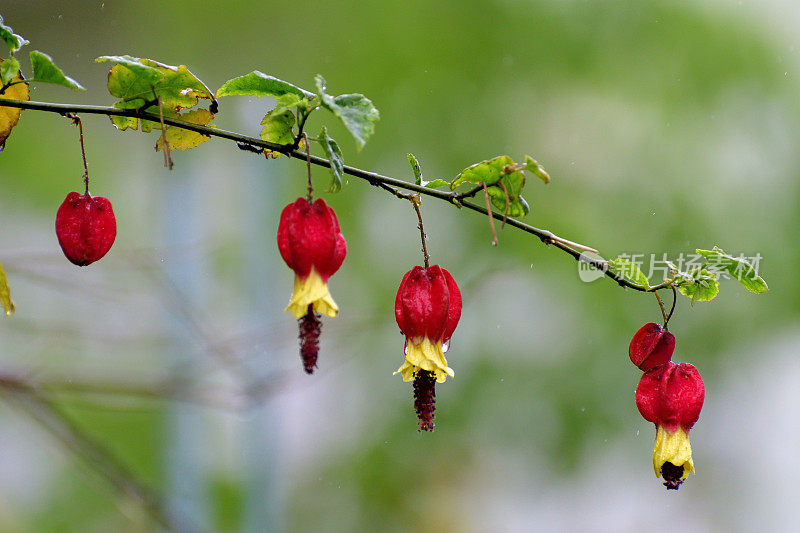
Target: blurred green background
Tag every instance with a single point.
(666, 126)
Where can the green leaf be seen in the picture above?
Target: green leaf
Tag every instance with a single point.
(259, 84)
(132, 63)
(288, 101)
(418, 175)
(628, 270)
(435, 184)
(488, 172)
(9, 69)
(531, 165)
(334, 154)
(698, 284)
(505, 194)
(14, 41)
(131, 81)
(278, 127)
(44, 70)
(5, 294)
(737, 267)
(415, 168)
(354, 110)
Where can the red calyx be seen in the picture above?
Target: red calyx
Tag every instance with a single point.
(651, 346)
(671, 396)
(85, 227)
(428, 304)
(309, 236)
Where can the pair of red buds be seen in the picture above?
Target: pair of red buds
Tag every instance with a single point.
(670, 396)
(427, 306)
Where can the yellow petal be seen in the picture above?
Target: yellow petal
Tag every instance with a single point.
(311, 290)
(425, 355)
(674, 448)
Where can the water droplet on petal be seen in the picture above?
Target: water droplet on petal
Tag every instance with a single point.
(445, 347)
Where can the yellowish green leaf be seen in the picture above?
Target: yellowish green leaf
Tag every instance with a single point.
(182, 139)
(9, 116)
(5, 294)
(124, 123)
(8, 69)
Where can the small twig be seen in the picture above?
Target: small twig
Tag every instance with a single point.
(415, 201)
(300, 125)
(489, 212)
(508, 204)
(672, 309)
(468, 194)
(578, 246)
(310, 195)
(165, 148)
(661, 305)
(76, 120)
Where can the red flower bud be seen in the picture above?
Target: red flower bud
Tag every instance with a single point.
(85, 227)
(310, 242)
(309, 238)
(671, 396)
(427, 309)
(428, 304)
(651, 346)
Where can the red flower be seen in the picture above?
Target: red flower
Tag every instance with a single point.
(671, 397)
(651, 346)
(85, 227)
(427, 309)
(312, 245)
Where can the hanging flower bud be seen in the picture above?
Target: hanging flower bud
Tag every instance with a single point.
(85, 227)
(651, 346)
(311, 244)
(427, 309)
(671, 397)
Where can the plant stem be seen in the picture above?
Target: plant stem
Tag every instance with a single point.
(76, 120)
(373, 178)
(491, 218)
(414, 199)
(310, 195)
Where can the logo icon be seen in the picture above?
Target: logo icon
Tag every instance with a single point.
(587, 272)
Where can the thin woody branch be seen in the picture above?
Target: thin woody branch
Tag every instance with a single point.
(386, 182)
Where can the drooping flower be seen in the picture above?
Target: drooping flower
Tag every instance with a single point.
(312, 245)
(651, 346)
(427, 309)
(671, 397)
